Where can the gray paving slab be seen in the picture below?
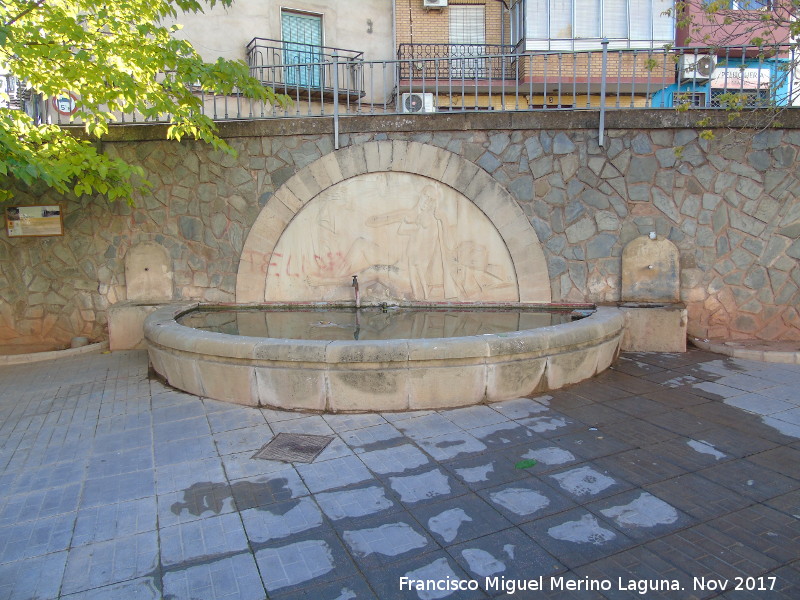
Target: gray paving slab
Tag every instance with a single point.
(668, 466)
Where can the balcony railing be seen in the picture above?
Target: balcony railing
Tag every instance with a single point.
(614, 79)
(306, 71)
(457, 61)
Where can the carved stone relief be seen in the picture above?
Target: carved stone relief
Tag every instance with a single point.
(405, 236)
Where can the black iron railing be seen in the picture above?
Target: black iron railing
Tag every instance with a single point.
(457, 61)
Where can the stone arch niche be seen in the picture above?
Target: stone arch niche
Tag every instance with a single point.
(416, 224)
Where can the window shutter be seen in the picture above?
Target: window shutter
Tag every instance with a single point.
(615, 19)
(467, 25)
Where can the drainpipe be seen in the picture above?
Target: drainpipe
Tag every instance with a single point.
(602, 126)
(335, 100)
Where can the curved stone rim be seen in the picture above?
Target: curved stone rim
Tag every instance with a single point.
(348, 375)
(426, 160)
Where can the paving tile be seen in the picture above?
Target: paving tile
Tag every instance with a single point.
(705, 553)
(640, 515)
(118, 488)
(181, 430)
(507, 554)
(54, 475)
(487, 469)
(209, 537)
(460, 519)
(281, 520)
(451, 445)
(125, 439)
(237, 418)
(394, 460)
(38, 577)
(586, 482)
(122, 461)
(180, 476)
(339, 472)
(200, 500)
(595, 415)
(472, 417)
(234, 577)
(600, 390)
(34, 538)
(524, 500)
(110, 521)
(310, 425)
(591, 443)
(521, 408)
(549, 456)
(373, 438)
(638, 432)
(315, 559)
(248, 439)
(184, 406)
(340, 423)
(577, 537)
(749, 479)
(759, 404)
(552, 424)
(424, 486)
(242, 465)
(783, 460)
(787, 503)
(697, 496)
(263, 490)
(769, 532)
(143, 588)
(350, 588)
(690, 454)
(427, 426)
(355, 502)
(187, 450)
(639, 466)
(105, 563)
(375, 542)
(336, 449)
(503, 435)
(40, 504)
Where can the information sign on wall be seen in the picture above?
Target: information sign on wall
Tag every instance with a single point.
(22, 221)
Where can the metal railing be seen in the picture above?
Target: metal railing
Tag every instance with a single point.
(462, 60)
(290, 67)
(605, 80)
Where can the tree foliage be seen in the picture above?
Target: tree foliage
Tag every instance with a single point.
(120, 57)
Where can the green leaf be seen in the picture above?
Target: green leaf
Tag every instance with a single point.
(525, 464)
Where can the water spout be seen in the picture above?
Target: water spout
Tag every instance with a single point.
(358, 295)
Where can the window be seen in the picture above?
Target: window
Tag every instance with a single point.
(557, 24)
(691, 99)
(302, 46)
(739, 99)
(751, 4)
(467, 38)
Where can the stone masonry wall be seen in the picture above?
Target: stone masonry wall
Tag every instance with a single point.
(729, 205)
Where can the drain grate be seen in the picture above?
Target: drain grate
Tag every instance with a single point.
(294, 447)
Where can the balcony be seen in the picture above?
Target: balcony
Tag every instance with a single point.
(307, 72)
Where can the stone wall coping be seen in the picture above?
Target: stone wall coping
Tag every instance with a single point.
(162, 329)
(19, 359)
(467, 121)
(761, 351)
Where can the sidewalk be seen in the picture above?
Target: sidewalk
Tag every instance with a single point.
(679, 472)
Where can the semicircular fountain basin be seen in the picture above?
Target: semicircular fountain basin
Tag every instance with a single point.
(498, 355)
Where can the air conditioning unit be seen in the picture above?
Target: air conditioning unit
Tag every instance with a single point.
(417, 103)
(696, 66)
(434, 3)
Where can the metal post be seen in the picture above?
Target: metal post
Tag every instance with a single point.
(603, 71)
(335, 101)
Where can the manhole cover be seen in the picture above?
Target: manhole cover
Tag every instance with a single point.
(294, 447)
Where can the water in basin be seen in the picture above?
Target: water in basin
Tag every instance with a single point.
(373, 323)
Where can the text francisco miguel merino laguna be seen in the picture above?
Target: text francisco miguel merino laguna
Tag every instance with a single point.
(541, 583)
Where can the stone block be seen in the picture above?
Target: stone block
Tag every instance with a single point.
(126, 325)
(367, 390)
(570, 367)
(655, 328)
(438, 387)
(291, 388)
(514, 378)
(228, 382)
